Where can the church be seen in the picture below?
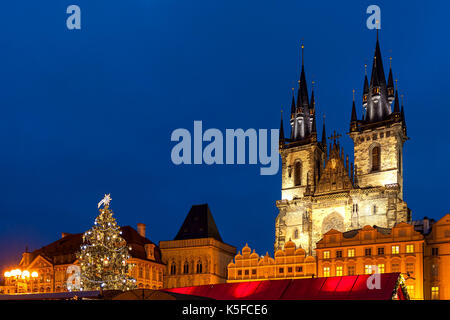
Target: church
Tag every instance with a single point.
(321, 190)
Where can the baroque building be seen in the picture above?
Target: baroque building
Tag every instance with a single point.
(53, 264)
(321, 189)
(197, 255)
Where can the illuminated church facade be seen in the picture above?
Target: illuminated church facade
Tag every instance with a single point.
(321, 190)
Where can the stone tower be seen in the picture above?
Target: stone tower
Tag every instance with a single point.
(321, 190)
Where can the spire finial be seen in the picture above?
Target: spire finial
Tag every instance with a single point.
(402, 99)
(396, 84)
(390, 62)
(365, 69)
(303, 47)
(353, 95)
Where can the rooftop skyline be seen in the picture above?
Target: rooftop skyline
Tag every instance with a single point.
(88, 112)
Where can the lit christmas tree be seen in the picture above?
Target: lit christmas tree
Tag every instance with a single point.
(104, 254)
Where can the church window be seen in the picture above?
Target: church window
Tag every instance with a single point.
(339, 271)
(434, 293)
(326, 271)
(376, 158)
(199, 267)
(173, 268)
(298, 173)
(186, 267)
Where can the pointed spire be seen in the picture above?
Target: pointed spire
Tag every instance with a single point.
(313, 101)
(390, 85)
(302, 99)
(324, 134)
(396, 103)
(366, 86)
(293, 102)
(402, 116)
(354, 118)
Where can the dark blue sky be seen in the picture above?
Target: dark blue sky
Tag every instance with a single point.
(89, 112)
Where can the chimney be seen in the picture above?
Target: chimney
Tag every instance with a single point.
(141, 229)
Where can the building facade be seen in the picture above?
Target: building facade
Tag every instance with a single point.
(321, 189)
(51, 268)
(288, 263)
(197, 255)
(374, 249)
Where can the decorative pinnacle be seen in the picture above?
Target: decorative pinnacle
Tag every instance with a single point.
(365, 69)
(353, 94)
(396, 84)
(390, 62)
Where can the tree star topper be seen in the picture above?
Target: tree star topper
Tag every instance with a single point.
(105, 201)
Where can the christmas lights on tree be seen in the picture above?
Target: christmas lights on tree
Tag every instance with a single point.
(104, 254)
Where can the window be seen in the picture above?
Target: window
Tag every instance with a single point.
(368, 269)
(434, 270)
(351, 253)
(368, 252)
(434, 293)
(339, 270)
(381, 268)
(326, 254)
(409, 248)
(199, 267)
(296, 234)
(326, 271)
(299, 269)
(395, 249)
(376, 158)
(374, 210)
(339, 254)
(434, 251)
(410, 289)
(253, 271)
(239, 272)
(186, 267)
(395, 267)
(380, 251)
(290, 269)
(246, 272)
(280, 270)
(410, 268)
(351, 270)
(173, 268)
(298, 173)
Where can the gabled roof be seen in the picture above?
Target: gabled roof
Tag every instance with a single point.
(63, 251)
(199, 223)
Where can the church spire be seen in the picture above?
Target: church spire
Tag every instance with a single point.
(354, 118)
(366, 87)
(390, 84)
(281, 138)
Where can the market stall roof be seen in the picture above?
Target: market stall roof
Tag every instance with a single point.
(391, 286)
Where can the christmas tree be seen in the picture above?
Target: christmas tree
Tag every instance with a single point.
(104, 254)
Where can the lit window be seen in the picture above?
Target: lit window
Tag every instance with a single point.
(326, 271)
(410, 248)
(434, 293)
(395, 249)
(326, 254)
(368, 269)
(381, 268)
(351, 253)
(339, 271)
(410, 290)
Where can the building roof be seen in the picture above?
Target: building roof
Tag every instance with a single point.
(199, 223)
(329, 288)
(63, 251)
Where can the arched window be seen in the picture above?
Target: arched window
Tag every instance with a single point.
(296, 234)
(199, 266)
(376, 158)
(298, 173)
(173, 268)
(186, 267)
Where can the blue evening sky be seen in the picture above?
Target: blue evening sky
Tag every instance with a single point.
(87, 112)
